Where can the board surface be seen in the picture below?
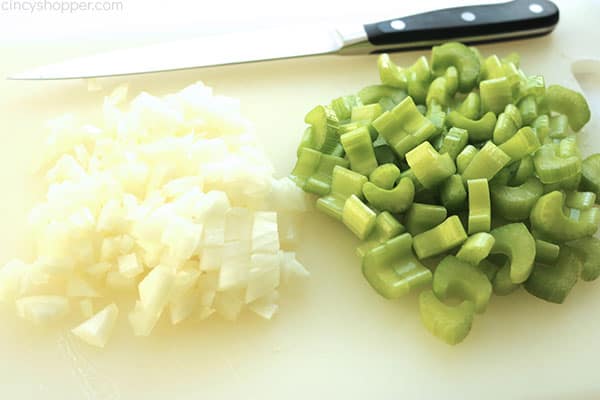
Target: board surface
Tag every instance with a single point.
(334, 337)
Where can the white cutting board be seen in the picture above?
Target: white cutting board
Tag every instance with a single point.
(334, 337)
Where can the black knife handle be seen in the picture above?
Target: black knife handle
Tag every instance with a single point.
(470, 24)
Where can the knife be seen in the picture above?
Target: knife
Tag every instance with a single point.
(469, 24)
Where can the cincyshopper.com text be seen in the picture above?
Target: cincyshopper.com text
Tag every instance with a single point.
(59, 6)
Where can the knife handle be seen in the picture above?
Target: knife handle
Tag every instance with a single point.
(469, 24)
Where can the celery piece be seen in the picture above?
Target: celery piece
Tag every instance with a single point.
(324, 123)
(507, 125)
(313, 171)
(553, 283)
(454, 278)
(588, 250)
(495, 94)
(521, 144)
(460, 56)
(358, 217)
(514, 203)
(515, 242)
(439, 239)
(373, 94)
(570, 103)
(486, 163)
(502, 284)
(422, 217)
(367, 112)
(480, 213)
(548, 217)
(404, 127)
(479, 130)
(476, 248)
(465, 157)
(450, 324)
(386, 227)
(454, 142)
(559, 126)
(342, 106)
(395, 200)
(528, 109)
(392, 269)
(453, 194)
(428, 166)
(359, 150)
(344, 183)
(590, 174)
(471, 106)
(546, 252)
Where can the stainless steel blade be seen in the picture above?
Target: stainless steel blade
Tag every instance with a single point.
(230, 48)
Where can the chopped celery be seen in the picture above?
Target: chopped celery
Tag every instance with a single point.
(454, 278)
(342, 106)
(313, 171)
(451, 324)
(570, 103)
(590, 174)
(422, 217)
(553, 283)
(514, 203)
(439, 239)
(546, 252)
(395, 200)
(495, 94)
(358, 217)
(324, 123)
(479, 130)
(521, 144)
(486, 163)
(366, 113)
(447, 146)
(359, 150)
(588, 250)
(515, 242)
(480, 213)
(428, 166)
(454, 142)
(392, 269)
(373, 94)
(507, 125)
(548, 217)
(386, 227)
(476, 248)
(453, 194)
(344, 183)
(471, 106)
(404, 127)
(460, 56)
(385, 176)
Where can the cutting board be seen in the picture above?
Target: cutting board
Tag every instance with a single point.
(334, 336)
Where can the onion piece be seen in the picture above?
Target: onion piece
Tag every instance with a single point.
(97, 330)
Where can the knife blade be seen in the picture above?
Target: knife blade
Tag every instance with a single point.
(469, 24)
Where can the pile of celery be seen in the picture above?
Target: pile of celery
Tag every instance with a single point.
(464, 164)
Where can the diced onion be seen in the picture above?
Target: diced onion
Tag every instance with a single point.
(172, 199)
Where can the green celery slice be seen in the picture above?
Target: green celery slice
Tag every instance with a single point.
(480, 213)
(553, 283)
(451, 324)
(515, 242)
(358, 217)
(454, 278)
(392, 269)
(439, 239)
